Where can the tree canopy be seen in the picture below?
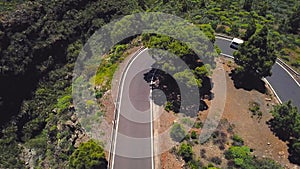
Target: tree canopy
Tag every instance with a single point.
(256, 57)
(88, 155)
(286, 124)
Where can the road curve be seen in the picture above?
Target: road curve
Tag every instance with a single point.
(281, 81)
(133, 142)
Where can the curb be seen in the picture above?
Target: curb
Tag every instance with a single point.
(272, 89)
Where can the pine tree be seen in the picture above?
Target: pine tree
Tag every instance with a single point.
(295, 20)
(251, 28)
(248, 5)
(256, 57)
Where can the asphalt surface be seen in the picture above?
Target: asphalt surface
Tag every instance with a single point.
(133, 136)
(282, 83)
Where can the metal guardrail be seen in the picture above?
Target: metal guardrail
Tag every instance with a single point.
(223, 35)
(116, 113)
(288, 67)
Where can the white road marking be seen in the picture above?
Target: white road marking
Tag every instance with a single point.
(288, 73)
(119, 106)
(217, 37)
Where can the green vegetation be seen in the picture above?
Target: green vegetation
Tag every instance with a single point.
(242, 158)
(256, 57)
(186, 152)
(88, 155)
(194, 135)
(237, 140)
(286, 124)
(254, 108)
(108, 66)
(177, 132)
(40, 42)
(8, 5)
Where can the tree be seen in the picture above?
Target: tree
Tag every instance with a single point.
(234, 29)
(295, 20)
(186, 152)
(286, 120)
(251, 28)
(296, 151)
(256, 57)
(88, 155)
(177, 132)
(248, 5)
(186, 77)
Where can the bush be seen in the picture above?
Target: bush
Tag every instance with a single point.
(194, 135)
(177, 132)
(63, 103)
(88, 155)
(186, 152)
(237, 140)
(198, 125)
(168, 106)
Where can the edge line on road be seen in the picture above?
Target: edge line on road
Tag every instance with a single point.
(288, 73)
(217, 37)
(118, 109)
(272, 89)
(151, 126)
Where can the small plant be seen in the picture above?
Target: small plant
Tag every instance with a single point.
(194, 135)
(177, 132)
(168, 106)
(99, 94)
(237, 140)
(186, 152)
(198, 125)
(254, 108)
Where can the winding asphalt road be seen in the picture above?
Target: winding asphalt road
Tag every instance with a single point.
(133, 142)
(281, 80)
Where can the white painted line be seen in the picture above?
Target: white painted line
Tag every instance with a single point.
(227, 55)
(276, 95)
(119, 107)
(288, 73)
(151, 128)
(218, 37)
(295, 72)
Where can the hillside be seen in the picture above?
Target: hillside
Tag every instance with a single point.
(40, 41)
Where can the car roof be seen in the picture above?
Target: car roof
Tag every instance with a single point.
(239, 41)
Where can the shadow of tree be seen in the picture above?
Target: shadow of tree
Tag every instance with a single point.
(293, 157)
(280, 133)
(167, 90)
(247, 82)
